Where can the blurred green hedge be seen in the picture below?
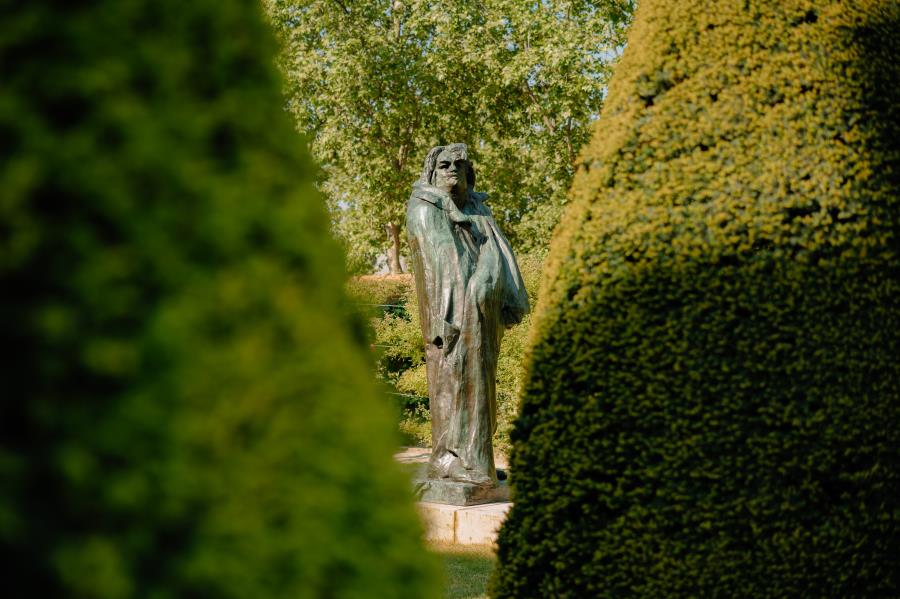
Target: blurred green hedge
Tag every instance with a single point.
(187, 410)
(395, 335)
(712, 396)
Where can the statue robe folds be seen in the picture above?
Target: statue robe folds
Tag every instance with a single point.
(469, 290)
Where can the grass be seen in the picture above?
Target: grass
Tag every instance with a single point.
(467, 569)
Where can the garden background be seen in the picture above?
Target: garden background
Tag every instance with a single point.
(704, 402)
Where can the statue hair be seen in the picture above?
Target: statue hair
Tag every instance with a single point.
(431, 164)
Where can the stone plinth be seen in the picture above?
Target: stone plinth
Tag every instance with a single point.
(474, 525)
(456, 493)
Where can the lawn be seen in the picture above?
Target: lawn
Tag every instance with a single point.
(467, 569)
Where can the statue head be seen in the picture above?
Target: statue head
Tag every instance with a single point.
(448, 168)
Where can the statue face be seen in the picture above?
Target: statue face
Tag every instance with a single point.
(451, 173)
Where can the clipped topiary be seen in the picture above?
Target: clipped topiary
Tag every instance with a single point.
(186, 411)
(711, 405)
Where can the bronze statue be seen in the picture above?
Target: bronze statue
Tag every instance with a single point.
(469, 290)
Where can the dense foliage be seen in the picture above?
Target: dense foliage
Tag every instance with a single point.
(186, 411)
(711, 403)
(395, 335)
(377, 83)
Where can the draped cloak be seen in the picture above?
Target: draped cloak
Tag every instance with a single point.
(469, 290)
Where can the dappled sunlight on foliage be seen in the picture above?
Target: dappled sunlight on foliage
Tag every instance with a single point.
(713, 395)
(377, 83)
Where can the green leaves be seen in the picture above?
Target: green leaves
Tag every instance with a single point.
(712, 395)
(188, 409)
(376, 84)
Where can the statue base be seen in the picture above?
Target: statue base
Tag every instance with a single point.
(449, 492)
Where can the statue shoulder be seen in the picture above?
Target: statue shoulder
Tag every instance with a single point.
(419, 207)
(426, 194)
(424, 210)
(479, 199)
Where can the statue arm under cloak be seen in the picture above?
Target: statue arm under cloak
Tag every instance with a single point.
(514, 302)
(434, 259)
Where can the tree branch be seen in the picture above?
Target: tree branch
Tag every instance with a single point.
(569, 141)
(534, 99)
(395, 9)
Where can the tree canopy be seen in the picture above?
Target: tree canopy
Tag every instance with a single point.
(377, 83)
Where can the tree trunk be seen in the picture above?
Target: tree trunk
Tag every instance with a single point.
(393, 232)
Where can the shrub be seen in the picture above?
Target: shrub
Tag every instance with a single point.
(712, 390)
(188, 411)
(375, 291)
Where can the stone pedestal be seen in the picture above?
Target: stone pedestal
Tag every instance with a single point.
(454, 493)
(458, 513)
(474, 525)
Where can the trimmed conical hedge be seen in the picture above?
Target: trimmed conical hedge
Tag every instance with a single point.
(711, 407)
(186, 411)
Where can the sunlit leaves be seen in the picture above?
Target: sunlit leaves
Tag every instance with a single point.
(378, 83)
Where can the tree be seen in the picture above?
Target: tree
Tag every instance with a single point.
(712, 398)
(187, 411)
(376, 84)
